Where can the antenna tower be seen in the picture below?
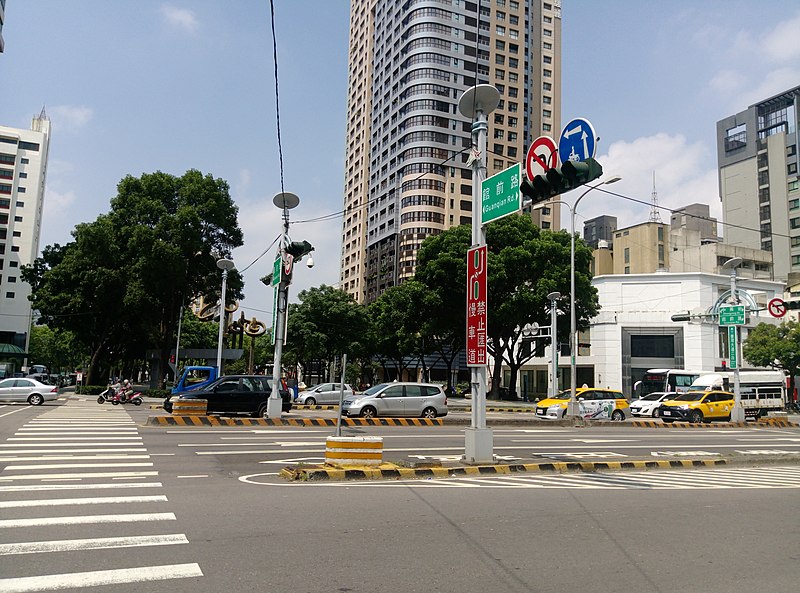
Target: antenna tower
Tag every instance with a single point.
(655, 215)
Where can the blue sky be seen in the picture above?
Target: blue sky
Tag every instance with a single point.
(135, 87)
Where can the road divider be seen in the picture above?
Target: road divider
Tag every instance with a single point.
(224, 421)
(362, 451)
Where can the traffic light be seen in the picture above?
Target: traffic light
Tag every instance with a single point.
(792, 305)
(298, 249)
(561, 179)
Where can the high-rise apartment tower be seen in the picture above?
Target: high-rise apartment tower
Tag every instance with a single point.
(406, 172)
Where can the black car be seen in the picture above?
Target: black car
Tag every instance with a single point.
(236, 394)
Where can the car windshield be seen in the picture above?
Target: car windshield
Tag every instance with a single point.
(652, 397)
(691, 396)
(565, 394)
(375, 389)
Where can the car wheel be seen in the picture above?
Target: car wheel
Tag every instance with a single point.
(35, 399)
(656, 413)
(429, 412)
(310, 401)
(696, 417)
(618, 415)
(262, 412)
(369, 412)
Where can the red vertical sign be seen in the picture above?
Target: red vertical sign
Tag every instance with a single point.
(476, 306)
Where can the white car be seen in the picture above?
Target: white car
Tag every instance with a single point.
(25, 389)
(648, 406)
(324, 393)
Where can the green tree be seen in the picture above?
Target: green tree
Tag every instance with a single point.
(56, 349)
(775, 346)
(120, 284)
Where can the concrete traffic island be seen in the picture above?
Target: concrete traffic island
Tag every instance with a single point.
(428, 470)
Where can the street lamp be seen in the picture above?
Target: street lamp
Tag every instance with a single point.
(572, 406)
(553, 387)
(737, 414)
(225, 265)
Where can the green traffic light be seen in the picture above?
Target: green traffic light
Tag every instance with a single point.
(298, 249)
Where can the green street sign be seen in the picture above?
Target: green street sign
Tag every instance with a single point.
(731, 315)
(733, 346)
(277, 267)
(501, 195)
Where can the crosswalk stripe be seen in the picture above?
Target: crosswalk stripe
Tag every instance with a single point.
(97, 543)
(46, 487)
(77, 476)
(98, 457)
(16, 504)
(95, 578)
(77, 465)
(87, 519)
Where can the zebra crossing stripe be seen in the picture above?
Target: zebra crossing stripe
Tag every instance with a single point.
(40, 487)
(90, 519)
(97, 543)
(96, 578)
(17, 504)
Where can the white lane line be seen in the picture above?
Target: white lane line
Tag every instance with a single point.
(76, 476)
(50, 487)
(68, 450)
(86, 520)
(78, 429)
(97, 543)
(95, 578)
(77, 465)
(13, 412)
(16, 504)
(81, 439)
(195, 476)
(71, 457)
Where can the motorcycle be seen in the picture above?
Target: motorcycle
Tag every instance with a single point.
(107, 395)
(133, 398)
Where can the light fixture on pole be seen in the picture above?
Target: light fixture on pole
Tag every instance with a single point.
(737, 414)
(476, 104)
(553, 386)
(225, 265)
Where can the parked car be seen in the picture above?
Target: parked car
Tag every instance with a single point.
(593, 403)
(235, 394)
(650, 405)
(398, 399)
(324, 393)
(29, 390)
(698, 406)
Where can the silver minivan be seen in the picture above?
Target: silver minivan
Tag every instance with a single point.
(398, 399)
(324, 393)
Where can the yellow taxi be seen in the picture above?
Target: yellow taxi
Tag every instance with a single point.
(698, 406)
(592, 403)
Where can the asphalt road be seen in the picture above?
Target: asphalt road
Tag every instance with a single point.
(198, 514)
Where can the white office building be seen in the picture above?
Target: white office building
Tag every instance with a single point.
(23, 169)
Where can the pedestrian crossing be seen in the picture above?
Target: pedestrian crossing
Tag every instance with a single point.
(77, 481)
(693, 479)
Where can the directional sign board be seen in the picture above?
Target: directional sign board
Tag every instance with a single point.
(476, 306)
(542, 156)
(731, 315)
(277, 266)
(578, 141)
(733, 346)
(500, 194)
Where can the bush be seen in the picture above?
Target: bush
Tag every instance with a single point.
(159, 393)
(463, 388)
(90, 389)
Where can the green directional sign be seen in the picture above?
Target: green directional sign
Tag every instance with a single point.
(501, 195)
(733, 346)
(731, 315)
(277, 267)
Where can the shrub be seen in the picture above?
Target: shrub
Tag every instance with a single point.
(90, 389)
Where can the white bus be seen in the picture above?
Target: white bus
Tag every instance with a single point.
(666, 380)
(761, 391)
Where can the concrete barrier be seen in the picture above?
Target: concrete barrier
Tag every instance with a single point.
(190, 407)
(367, 451)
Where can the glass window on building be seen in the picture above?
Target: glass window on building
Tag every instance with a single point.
(627, 255)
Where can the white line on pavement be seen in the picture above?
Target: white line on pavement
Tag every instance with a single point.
(88, 519)
(79, 580)
(97, 543)
(16, 504)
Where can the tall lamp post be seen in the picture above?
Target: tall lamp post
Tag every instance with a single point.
(225, 265)
(553, 387)
(476, 104)
(572, 406)
(737, 414)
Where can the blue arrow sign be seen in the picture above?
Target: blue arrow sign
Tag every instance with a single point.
(578, 141)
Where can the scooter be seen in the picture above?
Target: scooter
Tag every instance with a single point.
(134, 398)
(107, 395)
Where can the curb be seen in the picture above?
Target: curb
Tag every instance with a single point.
(778, 422)
(219, 421)
(334, 473)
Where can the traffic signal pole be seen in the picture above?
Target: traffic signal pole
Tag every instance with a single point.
(274, 403)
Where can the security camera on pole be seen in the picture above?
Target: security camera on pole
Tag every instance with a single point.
(287, 254)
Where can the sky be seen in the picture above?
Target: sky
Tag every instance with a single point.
(154, 85)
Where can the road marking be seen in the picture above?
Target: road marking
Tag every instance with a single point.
(195, 476)
(77, 476)
(97, 543)
(81, 439)
(67, 450)
(76, 465)
(79, 580)
(88, 519)
(16, 504)
(71, 457)
(35, 487)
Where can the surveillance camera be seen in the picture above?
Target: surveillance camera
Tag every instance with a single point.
(310, 262)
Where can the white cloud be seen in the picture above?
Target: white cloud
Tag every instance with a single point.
(181, 18)
(728, 82)
(69, 117)
(58, 213)
(682, 177)
(782, 44)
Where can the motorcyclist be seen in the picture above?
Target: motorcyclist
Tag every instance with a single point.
(127, 390)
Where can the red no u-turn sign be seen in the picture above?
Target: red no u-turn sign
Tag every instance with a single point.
(476, 306)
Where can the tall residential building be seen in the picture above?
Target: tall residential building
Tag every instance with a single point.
(23, 168)
(758, 180)
(406, 171)
(599, 229)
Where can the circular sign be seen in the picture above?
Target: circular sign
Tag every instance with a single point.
(777, 307)
(541, 156)
(578, 141)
